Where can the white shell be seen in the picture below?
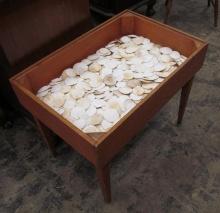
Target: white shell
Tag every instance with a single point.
(125, 90)
(77, 112)
(70, 81)
(166, 50)
(128, 75)
(95, 67)
(93, 57)
(106, 125)
(91, 111)
(133, 83)
(80, 123)
(90, 129)
(135, 97)
(77, 93)
(43, 89)
(80, 68)
(111, 115)
(109, 80)
(138, 91)
(96, 119)
(69, 72)
(159, 67)
(125, 39)
(175, 55)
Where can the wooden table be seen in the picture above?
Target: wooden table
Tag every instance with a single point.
(100, 149)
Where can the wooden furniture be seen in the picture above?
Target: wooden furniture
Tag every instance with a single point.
(109, 8)
(30, 30)
(214, 3)
(100, 149)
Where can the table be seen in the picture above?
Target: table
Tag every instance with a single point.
(101, 149)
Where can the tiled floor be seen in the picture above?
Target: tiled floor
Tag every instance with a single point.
(166, 169)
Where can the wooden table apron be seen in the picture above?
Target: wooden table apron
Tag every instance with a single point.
(101, 151)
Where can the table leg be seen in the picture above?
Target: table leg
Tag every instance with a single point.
(103, 175)
(184, 99)
(47, 136)
(216, 12)
(168, 5)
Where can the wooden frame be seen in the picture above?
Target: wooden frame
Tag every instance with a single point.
(100, 149)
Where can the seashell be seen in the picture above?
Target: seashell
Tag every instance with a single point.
(71, 81)
(163, 74)
(42, 94)
(98, 103)
(147, 91)
(116, 56)
(159, 80)
(60, 111)
(95, 67)
(165, 58)
(109, 80)
(96, 82)
(150, 86)
(131, 49)
(153, 77)
(135, 97)
(125, 39)
(133, 83)
(65, 88)
(138, 40)
(125, 90)
(80, 123)
(118, 74)
(138, 75)
(166, 50)
(105, 71)
(159, 67)
(69, 72)
(111, 115)
(77, 93)
(117, 93)
(56, 81)
(138, 91)
(96, 119)
(80, 68)
(90, 129)
(56, 88)
(155, 51)
(106, 125)
(128, 75)
(91, 110)
(86, 61)
(121, 84)
(104, 52)
(175, 55)
(69, 104)
(93, 57)
(149, 64)
(115, 105)
(77, 113)
(58, 99)
(83, 103)
(128, 104)
(43, 89)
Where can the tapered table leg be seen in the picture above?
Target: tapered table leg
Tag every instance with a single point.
(184, 99)
(103, 175)
(216, 13)
(47, 136)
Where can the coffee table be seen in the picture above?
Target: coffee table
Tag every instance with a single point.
(100, 149)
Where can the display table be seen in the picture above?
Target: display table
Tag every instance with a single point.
(100, 149)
